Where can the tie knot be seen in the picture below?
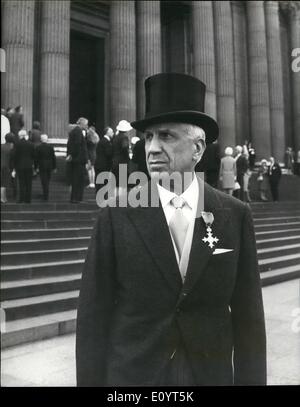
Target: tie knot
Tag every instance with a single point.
(178, 202)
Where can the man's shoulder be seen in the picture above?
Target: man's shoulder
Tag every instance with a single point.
(223, 200)
(75, 131)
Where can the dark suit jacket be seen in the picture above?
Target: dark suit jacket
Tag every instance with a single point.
(241, 166)
(134, 310)
(23, 155)
(139, 156)
(210, 161)
(45, 157)
(104, 152)
(275, 174)
(16, 121)
(76, 146)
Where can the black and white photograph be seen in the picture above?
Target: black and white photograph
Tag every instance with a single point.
(150, 196)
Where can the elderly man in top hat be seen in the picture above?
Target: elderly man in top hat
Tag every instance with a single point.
(171, 294)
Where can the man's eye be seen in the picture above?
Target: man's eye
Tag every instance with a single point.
(165, 135)
(148, 136)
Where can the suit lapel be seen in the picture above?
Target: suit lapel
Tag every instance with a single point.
(152, 226)
(200, 251)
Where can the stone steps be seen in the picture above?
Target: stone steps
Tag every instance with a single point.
(16, 309)
(11, 290)
(38, 328)
(41, 256)
(40, 270)
(43, 251)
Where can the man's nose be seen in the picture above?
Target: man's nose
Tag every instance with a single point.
(154, 145)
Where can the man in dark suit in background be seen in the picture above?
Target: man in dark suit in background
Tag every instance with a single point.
(104, 153)
(171, 292)
(139, 157)
(242, 166)
(210, 164)
(45, 163)
(274, 173)
(77, 155)
(23, 163)
(16, 120)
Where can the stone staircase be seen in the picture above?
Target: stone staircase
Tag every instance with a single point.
(44, 247)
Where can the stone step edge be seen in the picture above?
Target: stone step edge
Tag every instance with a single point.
(38, 332)
(279, 248)
(50, 239)
(268, 232)
(37, 265)
(47, 229)
(265, 240)
(69, 249)
(39, 299)
(39, 281)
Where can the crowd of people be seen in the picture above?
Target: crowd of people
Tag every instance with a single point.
(26, 154)
(89, 154)
(233, 171)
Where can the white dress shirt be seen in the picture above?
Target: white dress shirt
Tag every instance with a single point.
(189, 210)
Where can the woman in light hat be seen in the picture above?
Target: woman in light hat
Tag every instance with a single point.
(228, 171)
(121, 151)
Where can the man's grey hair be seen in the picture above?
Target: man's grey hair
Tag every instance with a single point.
(239, 149)
(22, 133)
(195, 131)
(197, 134)
(82, 120)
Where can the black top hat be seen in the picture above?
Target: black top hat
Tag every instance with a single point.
(176, 97)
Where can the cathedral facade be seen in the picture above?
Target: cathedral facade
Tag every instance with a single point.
(66, 59)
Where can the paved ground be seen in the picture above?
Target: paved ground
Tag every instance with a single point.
(51, 362)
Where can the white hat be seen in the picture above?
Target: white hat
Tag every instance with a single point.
(134, 139)
(228, 151)
(44, 138)
(123, 126)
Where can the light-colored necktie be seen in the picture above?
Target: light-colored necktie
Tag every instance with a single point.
(178, 224)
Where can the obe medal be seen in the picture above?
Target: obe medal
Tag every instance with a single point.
(208, 218)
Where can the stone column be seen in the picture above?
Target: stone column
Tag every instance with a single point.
(275, 80)
(295, 43)
(148, 47)
(122, 62)
(225, 73)
(55, 49)
(241, 71)
(204, 51)
(17, 41)
(258, 80)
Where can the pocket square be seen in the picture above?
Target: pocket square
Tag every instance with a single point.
(220, 251)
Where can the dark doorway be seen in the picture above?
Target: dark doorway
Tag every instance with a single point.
(87, 79)
(176, 40)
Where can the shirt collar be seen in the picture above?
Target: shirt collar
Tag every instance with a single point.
(190, 195)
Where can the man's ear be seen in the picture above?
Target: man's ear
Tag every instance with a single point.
(200, 146)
